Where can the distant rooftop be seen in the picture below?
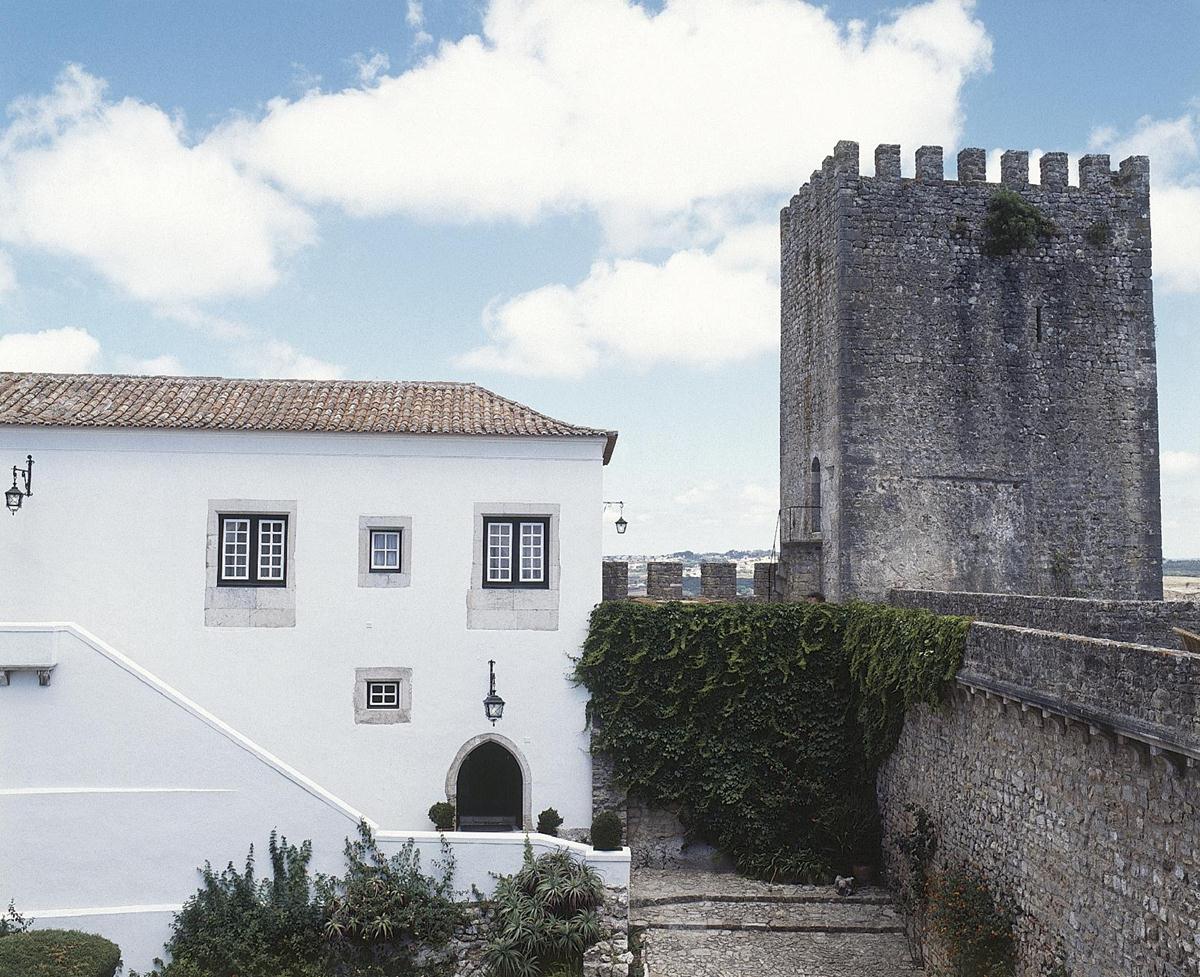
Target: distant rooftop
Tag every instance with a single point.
(323, 406)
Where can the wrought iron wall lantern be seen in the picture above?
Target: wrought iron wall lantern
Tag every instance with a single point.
(493, 705)
(15, 496)
(621, 523)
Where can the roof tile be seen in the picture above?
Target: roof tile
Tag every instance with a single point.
(221, 404)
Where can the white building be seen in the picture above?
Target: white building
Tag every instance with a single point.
(223, 593)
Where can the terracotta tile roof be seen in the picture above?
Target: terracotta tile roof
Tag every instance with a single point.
(220, 404)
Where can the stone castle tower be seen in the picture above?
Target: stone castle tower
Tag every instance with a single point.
(956, 419)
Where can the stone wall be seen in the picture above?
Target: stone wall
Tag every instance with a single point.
(664, 581)
(1142, 622)
(718, 581)
(1063, 769)
(973, 422)
(614, 576)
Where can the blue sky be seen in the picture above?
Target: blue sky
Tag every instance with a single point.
(573, 203)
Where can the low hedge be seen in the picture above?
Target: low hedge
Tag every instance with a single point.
(58, 953)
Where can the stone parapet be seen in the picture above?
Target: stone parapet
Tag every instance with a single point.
(1142, 622)
(614, 579)
(718, 581)
(664, 581)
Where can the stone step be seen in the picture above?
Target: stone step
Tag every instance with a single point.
(716, 953)
(826, 916)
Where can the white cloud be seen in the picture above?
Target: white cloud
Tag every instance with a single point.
(1173, 146)
(275, 358)
(8, 276)
(701, 308)
(1180, 463)
(117, 184)
(164, 365)
(67, 350)
(702, 101)
(369, 69)
(415, 14)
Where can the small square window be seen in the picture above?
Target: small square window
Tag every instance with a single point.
(383, 695)
(386, 550)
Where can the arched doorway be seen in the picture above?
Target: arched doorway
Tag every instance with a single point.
(489, 786)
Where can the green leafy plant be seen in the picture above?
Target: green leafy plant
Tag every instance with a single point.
(57, 953)
(549, 822)
(973, 924)
(238, 925)
(606, 831)
(12, 921)
(384, 911)
(917, 847)
(442, 815)
(1099, 234)
(543, 918)
(1012, 224)
(763, 724)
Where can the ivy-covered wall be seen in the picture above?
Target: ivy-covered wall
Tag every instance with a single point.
(763, 724)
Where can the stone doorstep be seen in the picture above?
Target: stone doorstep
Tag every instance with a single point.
(867, 899)
(733, 925)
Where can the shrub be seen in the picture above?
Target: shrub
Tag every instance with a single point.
(549, 822)
(57, 953)
(543, 918)
(1012, 224)
(975, 926)
(606, 831)
(237, 925)
(12, 921)
(384, 911)
(442, 815)
(1099, 234)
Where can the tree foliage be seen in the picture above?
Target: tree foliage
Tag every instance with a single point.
(763, 724)
(1012, 224)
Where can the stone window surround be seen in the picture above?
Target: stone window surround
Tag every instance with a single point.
(369, 578)
(526, 778)
(228, 606)
(380, 717)
(513, 609)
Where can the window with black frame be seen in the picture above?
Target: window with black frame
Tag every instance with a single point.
(253, 550)
(515, 552)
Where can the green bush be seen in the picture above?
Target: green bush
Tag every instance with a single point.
(549, 822)
(974, 925)
(12, 921)
(238, 925)
(1012, 224)
(442, 815)
(384, 911)
(57, 953)
(606, 831)
(763, 724)
(543, 918)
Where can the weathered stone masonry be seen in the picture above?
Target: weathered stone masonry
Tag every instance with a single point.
(955, 421)
(1064, 768)
(1139, 622)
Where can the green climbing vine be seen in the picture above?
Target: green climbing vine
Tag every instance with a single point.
(763, 724)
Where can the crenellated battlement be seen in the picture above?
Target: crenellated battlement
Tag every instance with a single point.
(1095, 170)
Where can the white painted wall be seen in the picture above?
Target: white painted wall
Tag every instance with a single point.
(115, 788)
(114, 540)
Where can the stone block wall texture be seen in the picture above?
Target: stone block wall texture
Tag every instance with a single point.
(764, 580)
(982, 423)
(664, 581)
(1094, 834)
(614, 582)
(1141, 622)
(718, 581)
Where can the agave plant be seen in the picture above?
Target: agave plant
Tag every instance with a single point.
(544, 917)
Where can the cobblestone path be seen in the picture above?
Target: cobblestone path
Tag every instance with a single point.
(704, 924)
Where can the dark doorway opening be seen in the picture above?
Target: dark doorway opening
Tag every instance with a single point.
(489, 791)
